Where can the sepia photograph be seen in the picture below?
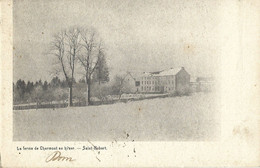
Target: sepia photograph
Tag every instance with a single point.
(115, 70)
(129, 83)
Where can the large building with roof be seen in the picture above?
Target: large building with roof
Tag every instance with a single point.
(170, 80)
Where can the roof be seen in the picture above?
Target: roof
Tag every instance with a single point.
(205, 79)
(172, 71)
(167, 72)
(136, 75)
(193, 79)
(129, 74)
(157, 72)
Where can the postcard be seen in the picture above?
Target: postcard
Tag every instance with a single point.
(130, 83)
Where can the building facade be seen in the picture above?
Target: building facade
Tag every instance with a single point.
(166, 81)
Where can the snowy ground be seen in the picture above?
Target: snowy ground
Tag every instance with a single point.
(193, 118)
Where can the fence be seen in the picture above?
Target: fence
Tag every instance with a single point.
(80, 104)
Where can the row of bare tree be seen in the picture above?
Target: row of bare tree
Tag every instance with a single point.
(77, 46)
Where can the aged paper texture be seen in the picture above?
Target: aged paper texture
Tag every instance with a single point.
(130, 83)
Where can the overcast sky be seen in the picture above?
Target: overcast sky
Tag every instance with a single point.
(138, 35)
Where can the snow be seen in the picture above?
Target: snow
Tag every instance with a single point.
(172, 71)
(173, 118)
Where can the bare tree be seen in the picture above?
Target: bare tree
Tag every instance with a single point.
(89, 57)
(65, 47)
(120, 85)
(73, 36)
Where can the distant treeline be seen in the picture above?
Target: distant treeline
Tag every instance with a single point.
(39, 91)
(56, 91)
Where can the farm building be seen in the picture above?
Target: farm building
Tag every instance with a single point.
(170, 80)
(194, 85)
(130, 83)
(202, 83)
(206, 83)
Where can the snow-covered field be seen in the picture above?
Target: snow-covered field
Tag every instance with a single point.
(162, 119)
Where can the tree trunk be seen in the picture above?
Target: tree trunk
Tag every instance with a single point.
(89, 102)
(70, 97)
(88, 92)
(120, 94)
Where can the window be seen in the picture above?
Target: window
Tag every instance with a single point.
(137, 83)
